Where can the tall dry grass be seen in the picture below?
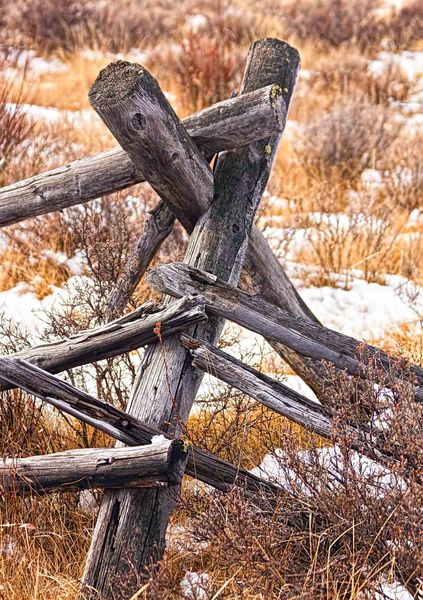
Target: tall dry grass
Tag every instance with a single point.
(344, 119)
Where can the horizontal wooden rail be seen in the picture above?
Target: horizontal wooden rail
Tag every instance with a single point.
(225, 125)
(132, 331)
(158, 464)
(253, 312)
(202, 465)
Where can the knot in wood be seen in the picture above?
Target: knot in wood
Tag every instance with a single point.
(138, 121)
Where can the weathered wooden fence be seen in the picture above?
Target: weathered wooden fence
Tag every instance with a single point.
(225, 249)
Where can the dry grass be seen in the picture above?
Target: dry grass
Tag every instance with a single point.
(344, 119)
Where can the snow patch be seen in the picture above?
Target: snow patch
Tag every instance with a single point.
(393, 591)
(53, 115)
(196, 22)
(410, 63)
(365, 311)
(274, 469)
(158, 439)
(195, 586)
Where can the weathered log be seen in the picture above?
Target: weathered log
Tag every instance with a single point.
(276, 325)
(161, 464)
(202, 465)
(219, 242)
(275, 395)
(123, 335)
(102, 174)
(129, 100)
(228, 124)
(105, 173)
(156, 229)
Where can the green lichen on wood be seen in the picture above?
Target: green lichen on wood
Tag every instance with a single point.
(268, 150)
(275, 91)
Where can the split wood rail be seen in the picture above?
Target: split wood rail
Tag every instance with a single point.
(141, 479)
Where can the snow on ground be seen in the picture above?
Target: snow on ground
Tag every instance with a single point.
(55, 115)
(410, 63)
(393, 591)
(195, 586)
(274, 467)
(27, 59)
(366, 311)
(24, 309)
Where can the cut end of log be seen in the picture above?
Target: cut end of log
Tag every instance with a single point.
(189, 342)
(283, 63)
(117, 82)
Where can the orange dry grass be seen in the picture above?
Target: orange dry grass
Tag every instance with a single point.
(68, 89)
(43, 542)
(244, 436)
(28, 256)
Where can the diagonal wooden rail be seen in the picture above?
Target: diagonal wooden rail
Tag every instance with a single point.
(131, 332)
(131, 525)
(276, 325)
(367, 440)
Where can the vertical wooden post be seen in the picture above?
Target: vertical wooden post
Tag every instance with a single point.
(131, 525)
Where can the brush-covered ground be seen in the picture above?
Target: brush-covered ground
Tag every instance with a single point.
(343, 212)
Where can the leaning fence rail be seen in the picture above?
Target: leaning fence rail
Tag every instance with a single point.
(225, 249)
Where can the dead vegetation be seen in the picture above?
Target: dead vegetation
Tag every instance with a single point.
(345, 120)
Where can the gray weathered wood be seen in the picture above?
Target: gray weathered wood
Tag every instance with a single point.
(227, 124)
(275, 395)
(156, 229)
(163, 396)
(368, 441)
(107, 172)
(123, 335)
(129, 100)
(276, 325)
(202, 465)
(158, 464)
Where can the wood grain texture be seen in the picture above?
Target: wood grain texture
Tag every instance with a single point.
(367, 440)
(276, 325)
(282, 399)
(164, 396)
(225, 125)
(105, 417)
(130, 102)
(160, 464)
(134, 330)
(156, 229)
(101, 174)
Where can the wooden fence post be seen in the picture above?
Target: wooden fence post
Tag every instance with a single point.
(131, 525)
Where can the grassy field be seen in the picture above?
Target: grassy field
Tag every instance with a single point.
(344, 214)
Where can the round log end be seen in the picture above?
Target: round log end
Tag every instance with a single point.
(118, 81)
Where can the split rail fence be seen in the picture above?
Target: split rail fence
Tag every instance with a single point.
(142, 479)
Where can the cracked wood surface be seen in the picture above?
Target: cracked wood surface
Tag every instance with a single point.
(163, 394)
(105, 417)
(256, 314)
(160, 464)
(227, 124)
(132, 331)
